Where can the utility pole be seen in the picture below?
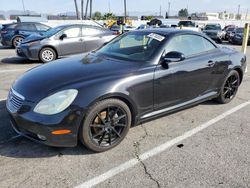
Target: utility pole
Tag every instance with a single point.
(23, 7)
(109, 6)
(246, 15)
(238, 14)
(125, 11)
(90, 9)
(169, 8)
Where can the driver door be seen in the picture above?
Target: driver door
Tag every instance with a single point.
(72, 43)
(188, 79)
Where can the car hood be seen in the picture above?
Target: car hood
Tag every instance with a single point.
(44, 80)
(33, 37)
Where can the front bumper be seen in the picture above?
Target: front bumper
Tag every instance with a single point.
(39, 128)
(28, 52)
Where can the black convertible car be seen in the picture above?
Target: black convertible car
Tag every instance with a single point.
(137, 76)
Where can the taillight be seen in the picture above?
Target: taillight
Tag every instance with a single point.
(116, 33)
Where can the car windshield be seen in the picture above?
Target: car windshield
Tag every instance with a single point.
(239, 30)
(53, 31)
(230, 29)
(136, 46)
(213, 27)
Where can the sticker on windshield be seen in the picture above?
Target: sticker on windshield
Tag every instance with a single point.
(156, 36)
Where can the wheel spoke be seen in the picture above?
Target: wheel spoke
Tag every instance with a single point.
(234, 82)
(97, 125)
(108, 114)
(120, 125)
(120, 117)
(226, 92)
(99, 133)
(116, 132)
(110, 139)
(104, 134)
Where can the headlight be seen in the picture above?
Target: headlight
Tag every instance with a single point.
(33, 43)
(56, 103)
(219, 34)
(238, 36)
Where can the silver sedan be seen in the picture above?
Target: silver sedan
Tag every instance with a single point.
(62, 41)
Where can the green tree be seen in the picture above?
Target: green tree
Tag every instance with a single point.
(183, 13)
(97, 16)
(109, 16)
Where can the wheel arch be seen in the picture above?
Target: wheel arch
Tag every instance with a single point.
(240, 72)
(123, 97)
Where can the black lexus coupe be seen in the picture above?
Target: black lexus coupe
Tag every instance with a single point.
(139, 75)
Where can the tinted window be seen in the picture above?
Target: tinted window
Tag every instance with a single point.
(72, 32)
(41, 27)
(213, 27)
(30, 27)
(189, 45)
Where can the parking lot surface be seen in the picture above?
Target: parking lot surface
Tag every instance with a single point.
(203, 146)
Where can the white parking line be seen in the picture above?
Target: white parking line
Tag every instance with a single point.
(159, 149)
(12, 70)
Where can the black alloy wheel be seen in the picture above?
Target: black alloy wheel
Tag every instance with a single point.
(106, 125)
(229, 88)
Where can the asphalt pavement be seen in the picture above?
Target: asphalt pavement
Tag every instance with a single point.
(203, 146)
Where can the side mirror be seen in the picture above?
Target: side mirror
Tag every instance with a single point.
(63, 36)
(172, 57)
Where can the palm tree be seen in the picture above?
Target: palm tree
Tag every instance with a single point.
(77, 11)
(90, 9)
(86, 11)
(82, 6)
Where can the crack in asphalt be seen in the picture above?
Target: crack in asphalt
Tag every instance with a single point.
(137, 155)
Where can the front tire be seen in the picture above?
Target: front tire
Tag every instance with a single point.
(17, 40)
(47, 54)
(106, 124)
(229, 88)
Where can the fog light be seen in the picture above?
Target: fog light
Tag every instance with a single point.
(41, 137)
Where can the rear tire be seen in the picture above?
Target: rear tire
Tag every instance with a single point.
(47, 55)
(229, 88)
(16, 41)
(106, 124)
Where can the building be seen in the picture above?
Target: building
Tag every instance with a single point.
(227, 16)
(2, 17)
(210, 15)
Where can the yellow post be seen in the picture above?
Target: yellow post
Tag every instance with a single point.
(245, 38)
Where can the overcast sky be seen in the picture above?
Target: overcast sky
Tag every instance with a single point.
(116, 6)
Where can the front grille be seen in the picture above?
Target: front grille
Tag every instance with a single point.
(15, 100)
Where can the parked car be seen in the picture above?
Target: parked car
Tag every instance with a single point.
(237, 35)
(137, 76)
(214, 32)
(228, 31)
(116, 28)
(63, 40)
(12, 34)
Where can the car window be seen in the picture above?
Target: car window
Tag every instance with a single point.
(72, 32)
(88, 31)
(189, 45)
(29, 27)
(41, 27)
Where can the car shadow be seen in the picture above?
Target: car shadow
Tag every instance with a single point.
(6, 48)
(17, 60)
(15, 146)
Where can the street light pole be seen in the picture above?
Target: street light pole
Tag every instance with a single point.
(23, 7)
(125, 11)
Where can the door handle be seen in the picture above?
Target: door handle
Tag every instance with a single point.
(210, 63)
